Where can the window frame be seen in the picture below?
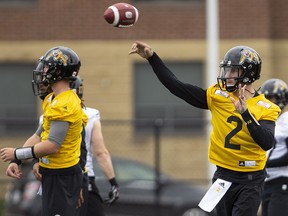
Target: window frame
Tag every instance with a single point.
(194, 122)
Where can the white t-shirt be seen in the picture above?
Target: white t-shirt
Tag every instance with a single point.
(281, 133)
(93, 116)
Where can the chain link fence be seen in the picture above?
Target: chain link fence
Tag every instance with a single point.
(177, 148)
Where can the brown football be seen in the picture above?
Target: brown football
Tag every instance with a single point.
(121, 15)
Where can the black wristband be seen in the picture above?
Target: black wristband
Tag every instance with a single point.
(113, 182)
(34, 161)
(33, 153)
(18, 162)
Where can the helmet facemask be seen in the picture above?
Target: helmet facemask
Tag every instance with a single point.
(230, 77)
(40, 85)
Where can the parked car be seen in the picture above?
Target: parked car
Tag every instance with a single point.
(140, 193)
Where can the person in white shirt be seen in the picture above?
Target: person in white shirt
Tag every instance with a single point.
(96, 147)
(275, 195)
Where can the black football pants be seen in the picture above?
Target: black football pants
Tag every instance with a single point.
(240, 200)
(60, 194)
(275, 203)
(95, 202)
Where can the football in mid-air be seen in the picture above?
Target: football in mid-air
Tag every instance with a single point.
(121, 15)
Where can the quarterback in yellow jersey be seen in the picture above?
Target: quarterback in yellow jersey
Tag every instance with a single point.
(56, 143)
(243, 124)
(234, 148)
(63, 107)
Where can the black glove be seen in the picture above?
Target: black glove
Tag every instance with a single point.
(113, 194)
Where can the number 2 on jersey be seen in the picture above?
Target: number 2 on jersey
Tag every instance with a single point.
(233, 133)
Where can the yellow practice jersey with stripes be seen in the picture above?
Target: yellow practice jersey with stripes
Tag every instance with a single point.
(64, 107)
(231, 145)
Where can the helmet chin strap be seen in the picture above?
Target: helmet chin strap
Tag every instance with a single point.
(232, 88)
(252, 93)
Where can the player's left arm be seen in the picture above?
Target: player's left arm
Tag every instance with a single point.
(8, 153)
(262, 132)
(33, 140)
(100, 151)
(104, 159)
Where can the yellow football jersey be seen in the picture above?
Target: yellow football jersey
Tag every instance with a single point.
(64, 107)
(231, 145)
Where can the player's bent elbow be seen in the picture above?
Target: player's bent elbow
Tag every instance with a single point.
(52, 148)
(267, 145)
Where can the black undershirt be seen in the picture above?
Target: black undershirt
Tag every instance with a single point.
(262, 133)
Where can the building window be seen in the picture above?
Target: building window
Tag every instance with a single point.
(167, 0)
(153, 101)
(17, 3)
(18, 110)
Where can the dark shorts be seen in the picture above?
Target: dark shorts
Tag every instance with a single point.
(275, 197)
(275, 204)
(95, 202)
(82, 211)
(60, 192)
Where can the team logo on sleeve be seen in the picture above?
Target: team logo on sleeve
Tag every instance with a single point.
(221, 93)
(264, 104)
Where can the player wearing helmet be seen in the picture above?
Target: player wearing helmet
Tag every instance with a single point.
(95, 146)
(56, 142)
(242, 127)
(241, 65)
(275, 196)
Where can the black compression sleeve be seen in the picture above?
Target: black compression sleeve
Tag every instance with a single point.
(278, 162)
(193, 95)
(282, 161)
(262, 132)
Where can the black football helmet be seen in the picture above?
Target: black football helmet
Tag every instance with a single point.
(58, 63)
(275, 90)
(77, 86)
(240, 58)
